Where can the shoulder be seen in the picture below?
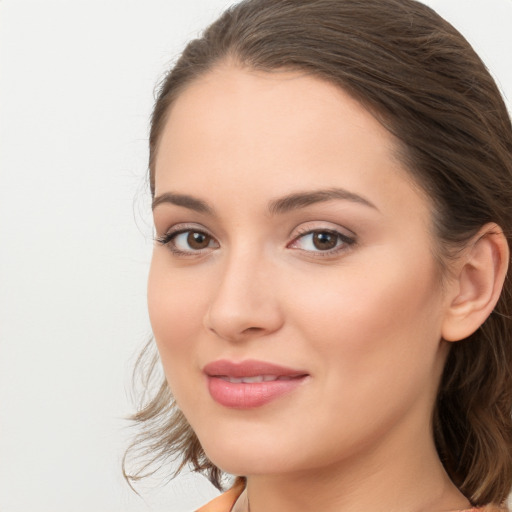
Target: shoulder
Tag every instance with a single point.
(488, 508)
(225, 502)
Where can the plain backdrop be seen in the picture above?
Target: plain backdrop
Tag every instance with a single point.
(76, 91)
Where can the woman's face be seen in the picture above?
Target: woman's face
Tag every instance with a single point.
(293, 292)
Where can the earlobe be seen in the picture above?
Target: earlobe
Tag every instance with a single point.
(478, 284)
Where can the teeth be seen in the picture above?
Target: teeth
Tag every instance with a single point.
(252, 380)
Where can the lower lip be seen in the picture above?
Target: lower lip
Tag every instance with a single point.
(241, 395)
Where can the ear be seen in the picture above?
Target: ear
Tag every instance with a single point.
(476, 287)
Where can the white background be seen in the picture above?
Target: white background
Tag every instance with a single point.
(76, 91)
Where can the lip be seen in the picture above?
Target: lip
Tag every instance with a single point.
(226, 385)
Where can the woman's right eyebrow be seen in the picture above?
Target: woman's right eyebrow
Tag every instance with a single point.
(190, 202)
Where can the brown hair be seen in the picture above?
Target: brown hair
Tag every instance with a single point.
(423, 81)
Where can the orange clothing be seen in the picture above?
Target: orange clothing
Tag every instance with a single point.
(225, 502)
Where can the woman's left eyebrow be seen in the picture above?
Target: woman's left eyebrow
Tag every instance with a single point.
(302, 199)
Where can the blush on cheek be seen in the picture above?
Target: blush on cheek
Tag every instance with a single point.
(364, 316)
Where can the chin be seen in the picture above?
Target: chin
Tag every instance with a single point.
(243, 458)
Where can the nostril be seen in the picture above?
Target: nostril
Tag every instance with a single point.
(253, 329)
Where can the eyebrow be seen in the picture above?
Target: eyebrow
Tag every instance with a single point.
(190, 202)
(302, 199)
(281, 205)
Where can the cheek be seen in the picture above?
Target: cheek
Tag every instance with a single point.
(373, 338)
(176, 311)
(382, 316)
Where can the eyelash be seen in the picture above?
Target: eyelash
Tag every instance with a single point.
(343, 242)
(168, 240)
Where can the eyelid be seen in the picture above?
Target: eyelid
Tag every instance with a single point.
(319, 225)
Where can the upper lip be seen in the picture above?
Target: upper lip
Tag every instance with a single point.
(249, 368)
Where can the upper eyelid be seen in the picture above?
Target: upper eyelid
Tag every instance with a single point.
(312, 226)
(181, 227)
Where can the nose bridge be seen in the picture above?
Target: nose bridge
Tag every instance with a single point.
(245, 301)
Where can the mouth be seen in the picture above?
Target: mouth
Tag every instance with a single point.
(252, 380)
(249, 384)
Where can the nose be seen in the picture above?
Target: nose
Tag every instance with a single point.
(245, 305)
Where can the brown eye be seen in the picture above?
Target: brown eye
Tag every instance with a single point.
(188, 242)
(324, 240)
(198, 241)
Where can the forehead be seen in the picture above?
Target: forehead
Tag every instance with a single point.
(261, 131)
(241, 102)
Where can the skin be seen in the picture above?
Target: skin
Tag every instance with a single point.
(365, 322)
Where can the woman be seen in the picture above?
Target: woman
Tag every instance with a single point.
(332, 191)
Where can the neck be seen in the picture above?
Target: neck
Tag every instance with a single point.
(400, 475)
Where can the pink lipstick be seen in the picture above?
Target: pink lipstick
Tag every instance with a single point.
(250, 383)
